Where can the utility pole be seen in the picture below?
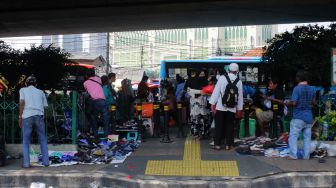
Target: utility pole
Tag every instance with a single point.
(108, 53)
(190, 49)
(151, 55)
(141, 57)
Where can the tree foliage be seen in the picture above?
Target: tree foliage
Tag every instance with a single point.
(10, 62)
(307, 48)
(46, 63)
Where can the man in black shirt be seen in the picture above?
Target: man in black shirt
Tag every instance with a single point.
(265, 114)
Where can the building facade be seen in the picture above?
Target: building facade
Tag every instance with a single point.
(91, 45)
(148, 48)
(51, 39)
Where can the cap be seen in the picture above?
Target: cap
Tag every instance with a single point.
(31, 80)
(234, 67)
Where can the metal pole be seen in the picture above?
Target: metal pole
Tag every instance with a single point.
(74, 117)
(246, 121)
(113, 118)
(139, 113)
(166, 138)
(156, 108)
(108, 53)
(274, 129)
(180, 132)
(141, 57)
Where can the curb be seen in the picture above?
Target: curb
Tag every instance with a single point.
(76, 179)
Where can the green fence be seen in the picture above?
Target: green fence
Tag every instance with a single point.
(326, 104)
(63, 117)
(63, 128)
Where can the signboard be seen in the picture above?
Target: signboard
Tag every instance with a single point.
(333, 66)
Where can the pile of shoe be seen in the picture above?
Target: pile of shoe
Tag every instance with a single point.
(131, 124)
(277, 152)
(91, 152)
(105, 152)
(259, 145)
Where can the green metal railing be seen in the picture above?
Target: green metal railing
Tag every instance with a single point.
(326, 104)
(55, 119)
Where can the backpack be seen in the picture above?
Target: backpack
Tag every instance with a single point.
(230, 97)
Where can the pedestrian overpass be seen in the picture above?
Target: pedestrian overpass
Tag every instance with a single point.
(40, 17)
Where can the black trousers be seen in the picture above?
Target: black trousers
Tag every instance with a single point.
(224, 127)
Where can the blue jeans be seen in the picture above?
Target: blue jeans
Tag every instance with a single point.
(100, 106)
(27, 127)
(296, 126)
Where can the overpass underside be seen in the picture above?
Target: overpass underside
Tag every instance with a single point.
(40, 17)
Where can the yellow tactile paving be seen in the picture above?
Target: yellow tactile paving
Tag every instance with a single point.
(192, 149)
(191, 165)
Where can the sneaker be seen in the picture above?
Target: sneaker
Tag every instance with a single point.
(212, 143)
(256, 147)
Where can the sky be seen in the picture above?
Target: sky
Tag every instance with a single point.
(289, 27)
(24, 42)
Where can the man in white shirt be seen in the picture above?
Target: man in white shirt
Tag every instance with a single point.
(225, 116)
(31, 113)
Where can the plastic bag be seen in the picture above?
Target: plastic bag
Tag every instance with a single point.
(313, 146)
(324, 146)
(37, 185)
(212, 124)
(33, 156)
(331, 151)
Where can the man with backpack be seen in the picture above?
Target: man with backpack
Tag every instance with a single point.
(227, 98)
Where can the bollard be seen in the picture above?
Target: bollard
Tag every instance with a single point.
(113, 118)
(166, 138)
(247, 121)
(139, 120)
(274, 126)
(156, 119)
(180, 132)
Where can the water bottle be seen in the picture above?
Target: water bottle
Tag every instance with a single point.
(325, 129)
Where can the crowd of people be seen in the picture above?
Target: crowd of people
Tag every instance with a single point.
(223, 95)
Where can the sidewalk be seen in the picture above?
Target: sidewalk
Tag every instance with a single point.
(183, 163)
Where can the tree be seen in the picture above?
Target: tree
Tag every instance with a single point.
(308, 48)
(10, 63)
(46, 63)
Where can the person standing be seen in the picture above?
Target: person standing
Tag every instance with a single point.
(125, 101)
(143, 89)
(179, 89)
(112, 79)
(225, 113)
(93, 86)
(303, 98)
(107, 92)
(31, 113)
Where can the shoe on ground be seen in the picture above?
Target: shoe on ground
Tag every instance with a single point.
(212, 143)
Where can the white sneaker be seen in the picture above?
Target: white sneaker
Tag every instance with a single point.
(256, 147)
(212, 143)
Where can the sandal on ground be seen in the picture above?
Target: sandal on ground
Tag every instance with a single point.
(321, 160)
(27, 167)
(289, 158)
(216, 148)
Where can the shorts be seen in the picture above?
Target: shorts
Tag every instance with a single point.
(264, 116)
